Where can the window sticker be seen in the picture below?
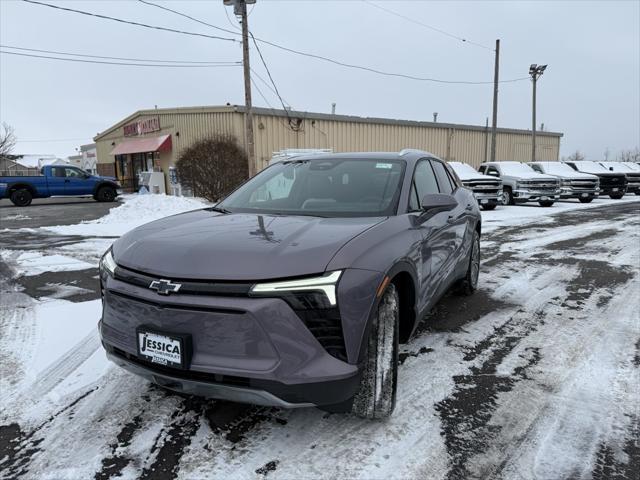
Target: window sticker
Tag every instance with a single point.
(384, 165)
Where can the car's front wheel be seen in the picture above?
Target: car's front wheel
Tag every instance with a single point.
(106, 194)
(376, 397)
(507, 197)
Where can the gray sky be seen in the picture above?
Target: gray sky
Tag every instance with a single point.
(590, 91)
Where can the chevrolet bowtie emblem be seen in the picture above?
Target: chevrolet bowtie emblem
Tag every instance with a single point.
(165, 287)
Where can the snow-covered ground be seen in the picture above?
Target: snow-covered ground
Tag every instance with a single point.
(536, 376)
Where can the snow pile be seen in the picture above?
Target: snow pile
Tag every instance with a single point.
(136, 210)
(35, 263)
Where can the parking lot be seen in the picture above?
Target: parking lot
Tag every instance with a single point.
(535, 376)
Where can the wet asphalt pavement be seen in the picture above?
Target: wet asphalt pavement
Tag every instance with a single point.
(492, 386)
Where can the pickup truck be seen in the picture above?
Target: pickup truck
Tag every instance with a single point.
(611, 183)
(58, 180)
(487, 190)
(583, 186)
(521, 183)
(633, 175)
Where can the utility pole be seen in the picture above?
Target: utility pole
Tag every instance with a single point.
(535, 71)
(240, 9)
(494, 124)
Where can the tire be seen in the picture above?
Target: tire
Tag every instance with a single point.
(546, 203)
(507, 197)
(586, 200)
(376, 397)
(489, 206)
(616, 196)
(21, 197)
(469, 284)
(106, 194)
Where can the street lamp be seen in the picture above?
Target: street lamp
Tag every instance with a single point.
(535, 71)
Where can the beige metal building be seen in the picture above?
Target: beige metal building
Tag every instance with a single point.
(153, 139)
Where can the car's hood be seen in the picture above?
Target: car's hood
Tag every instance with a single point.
(207, 245)
(531, 176)
(574, 176)
(106, 179)
(464, 176)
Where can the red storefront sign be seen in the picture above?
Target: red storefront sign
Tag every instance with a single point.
(141, 127)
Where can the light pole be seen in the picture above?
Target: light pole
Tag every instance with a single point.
(535, 71)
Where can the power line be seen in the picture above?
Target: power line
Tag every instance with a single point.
(273, 44)
(115, 63)
(264, 63)
(337, 62)
(430, 27)
(106, 17)
(122, 58)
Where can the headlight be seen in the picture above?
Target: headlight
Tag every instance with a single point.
(107, 264)
(325, 283)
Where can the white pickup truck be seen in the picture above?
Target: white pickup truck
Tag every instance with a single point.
(583, 186)
(521, 183)
(486, 189)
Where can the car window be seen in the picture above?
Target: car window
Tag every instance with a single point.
(276, 187)
(414, 201)
(444, 183)
(58, 171)
(73, 173)
(455, 179)
(537, 168)
(482, 168)
(424, 180)
(493, 171)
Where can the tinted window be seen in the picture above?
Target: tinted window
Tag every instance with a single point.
(443, 179)
(493, 171)
(425, 180)
(537, 168)
(322, 187)
(58, 171)
(414, 202)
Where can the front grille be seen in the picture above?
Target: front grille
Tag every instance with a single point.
(322, 320)
(182, 374)
(543, 186)
(613, 181)
(483, 186)
(579, 185)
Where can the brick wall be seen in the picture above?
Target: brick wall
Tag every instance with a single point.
(106, 169)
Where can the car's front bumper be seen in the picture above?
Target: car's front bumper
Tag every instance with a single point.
(570, 192)
(485, 198)
(530, 195)
(238, 389)
(260, 342)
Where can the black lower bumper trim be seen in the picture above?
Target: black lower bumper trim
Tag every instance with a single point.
(230, 387)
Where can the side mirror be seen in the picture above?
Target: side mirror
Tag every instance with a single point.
(493, 174)
(438, 202)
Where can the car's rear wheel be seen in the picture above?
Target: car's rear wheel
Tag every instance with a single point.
(376, 397)
(546, 203)
(106, 194)
(469, 283)
(21, 197)
(586, 200)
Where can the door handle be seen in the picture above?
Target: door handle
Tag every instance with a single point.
(451, 219)
(66, 181)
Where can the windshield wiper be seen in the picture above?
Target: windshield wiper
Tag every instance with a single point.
(219, 209)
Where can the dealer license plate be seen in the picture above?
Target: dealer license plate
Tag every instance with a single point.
(484, 201)
(585, 194)
(615, 189)
(544, 198)
(162, 349)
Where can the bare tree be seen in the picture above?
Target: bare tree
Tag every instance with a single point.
(577, 156)
(629, 155)
(213, 167)
(7, 140)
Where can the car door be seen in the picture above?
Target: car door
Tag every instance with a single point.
(56, 181)
(457, 220)
(435, 231)
(76, 182)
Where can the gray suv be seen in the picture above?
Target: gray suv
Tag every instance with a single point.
(296, 289)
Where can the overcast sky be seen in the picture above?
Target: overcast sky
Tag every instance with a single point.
(590, 91)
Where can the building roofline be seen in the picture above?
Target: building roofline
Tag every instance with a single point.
(317, 116)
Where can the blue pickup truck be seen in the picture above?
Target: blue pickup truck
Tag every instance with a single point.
(58, 180)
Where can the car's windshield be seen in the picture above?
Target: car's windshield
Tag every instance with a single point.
(322, 187)
(590, 167)
(558, 168)
(515, 168)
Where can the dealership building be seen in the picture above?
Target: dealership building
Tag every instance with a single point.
(152, 140)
